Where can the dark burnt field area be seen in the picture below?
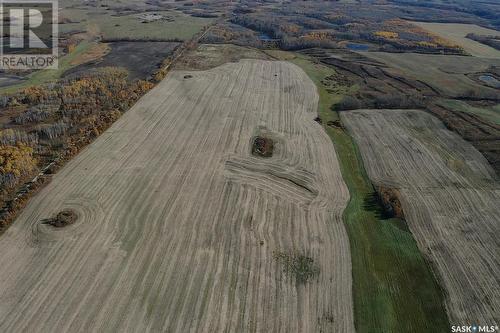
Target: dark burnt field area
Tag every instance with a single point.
(139, 58)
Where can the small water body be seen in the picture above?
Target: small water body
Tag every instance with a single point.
(490, 80)
(357, 47)
(265, 37)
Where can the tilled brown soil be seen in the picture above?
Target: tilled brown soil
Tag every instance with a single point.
(178, 222)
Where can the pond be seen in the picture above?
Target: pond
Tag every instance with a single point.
(265, 37)
(357, 47)
(490, 80)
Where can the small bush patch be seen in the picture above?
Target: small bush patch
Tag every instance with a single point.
(298, 266)
(62, 219)
(262, 147)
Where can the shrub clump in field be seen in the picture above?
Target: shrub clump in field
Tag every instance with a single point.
(298, 266)
(390, 200)
(262, 147)
(62, 219)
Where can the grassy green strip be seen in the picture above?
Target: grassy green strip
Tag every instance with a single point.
(488, 113)
(394, 289)
(49, 75)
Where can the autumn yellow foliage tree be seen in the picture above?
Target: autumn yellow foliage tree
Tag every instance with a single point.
(427, 44)
(428, 39)
(289, 28)
(318, 35)
(36, 94)
(15, 162)
(387, 34)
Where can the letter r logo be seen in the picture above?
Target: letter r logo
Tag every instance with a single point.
(17, 28)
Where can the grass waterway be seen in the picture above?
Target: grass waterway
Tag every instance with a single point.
(394, 289)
